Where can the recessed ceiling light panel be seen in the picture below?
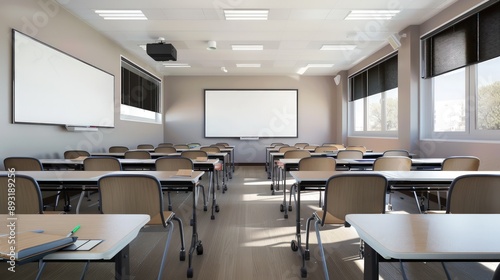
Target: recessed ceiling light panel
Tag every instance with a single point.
(372, 14)
(246, 14)
(247, 47)
(121, 14)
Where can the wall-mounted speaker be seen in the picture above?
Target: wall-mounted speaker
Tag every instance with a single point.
(394, 41)
(336, 79)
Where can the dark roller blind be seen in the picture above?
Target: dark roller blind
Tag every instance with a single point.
(489, 32)
(377, 78)
(469, 40)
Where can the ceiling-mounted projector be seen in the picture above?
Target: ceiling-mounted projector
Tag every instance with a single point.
(161, 51)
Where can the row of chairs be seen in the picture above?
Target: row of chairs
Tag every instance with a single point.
(123, 149)
(118, 194)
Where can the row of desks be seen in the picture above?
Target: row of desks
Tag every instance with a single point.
(119, 251)
(390, 237)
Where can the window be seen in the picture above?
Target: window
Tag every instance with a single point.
(140, 94)
(373, 102)
(465, 97)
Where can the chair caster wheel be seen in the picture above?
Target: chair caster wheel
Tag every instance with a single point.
(303, 272)
(307, 255)
(169, 208)
(199, 249)
(67, 208)
(289, 207)
(182, 256)
(286, 216)
(212, 217)
(272, 193)
(205, 208)
(294, 246)
(282, 208)
(190, 273)
(217, 209)
(272, 187)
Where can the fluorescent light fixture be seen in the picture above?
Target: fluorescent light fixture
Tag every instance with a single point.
(176, 65)
(247, 47)
(248, 65)
(223, 69)
(246, 14)
(121, 14)
(371, 14)
(302, 70)
(337, 47)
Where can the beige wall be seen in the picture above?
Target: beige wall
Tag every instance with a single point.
(184, 104)
(61, 30)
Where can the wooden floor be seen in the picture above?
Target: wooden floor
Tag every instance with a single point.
(250, 239)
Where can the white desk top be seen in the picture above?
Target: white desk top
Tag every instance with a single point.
(417, 177)
(93, 176)
(122, 161)
(430, 237)
(116, 231)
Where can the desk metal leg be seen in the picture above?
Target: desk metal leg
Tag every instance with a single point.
(215, 206)
(122, 264)
(195, 243)
(371, 263)
(284, 204)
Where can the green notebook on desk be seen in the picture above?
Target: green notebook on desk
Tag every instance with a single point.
(29, 246)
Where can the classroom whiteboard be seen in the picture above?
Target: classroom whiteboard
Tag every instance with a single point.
(251, 113)
(51, 87)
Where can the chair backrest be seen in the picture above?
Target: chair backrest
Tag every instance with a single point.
(165, 149)
(474, 194)
(350, 154)
(118, 149)
(193, 154)
(219, 146)
(276, 144)
(317, 164)
(461, 163)
(72, 154)
(287, 148)
(357, 148)
(181, 146)
(137, 154)
(390, 153)
(338, 146)
(102, 164)
(325, 149)
(311, 147)
(392, 163)
(297, 154)
(301, 145)
(22, 164)
(28, 197)
(165, 145)
(131, 194)
(173, 163)
(354, 194)
(211, 149)
(145, 147)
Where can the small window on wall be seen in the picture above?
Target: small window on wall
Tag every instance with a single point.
(140, 94)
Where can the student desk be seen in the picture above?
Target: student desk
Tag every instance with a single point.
(134, 164)
(116, 231)
(407, 180)
(433, 237)
(76, 179)
(286, 165)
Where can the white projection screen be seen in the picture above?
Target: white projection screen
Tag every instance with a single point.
(251, 113)
(51, 87)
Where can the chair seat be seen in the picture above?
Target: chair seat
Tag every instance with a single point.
(156, 219)
(329, 219)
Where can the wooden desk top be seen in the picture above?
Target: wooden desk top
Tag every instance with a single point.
(430, 237)
(116, 231)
